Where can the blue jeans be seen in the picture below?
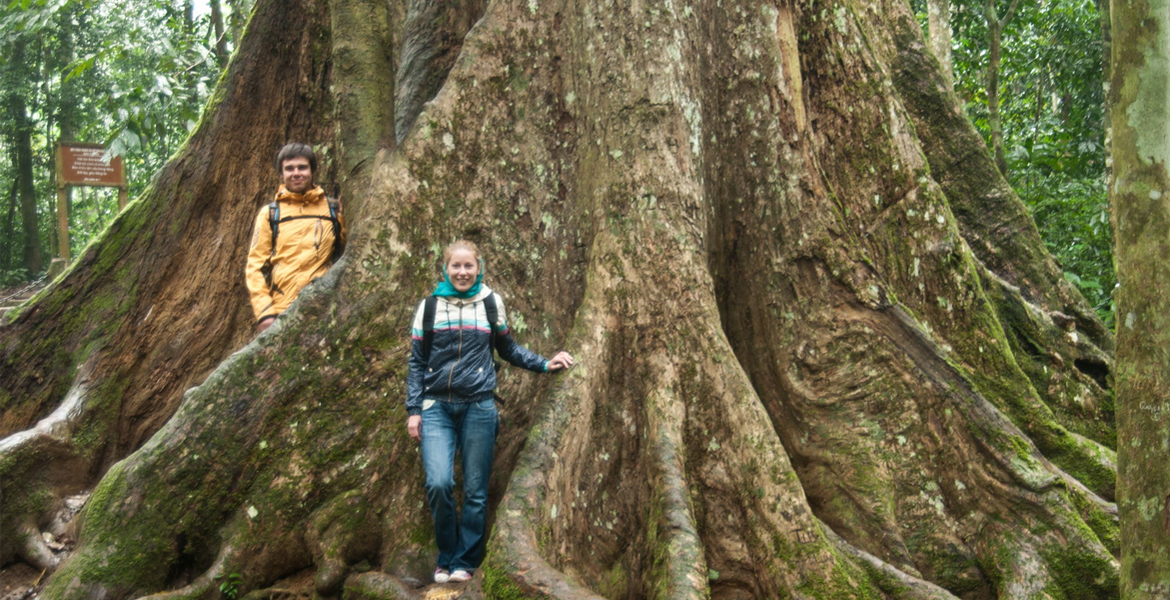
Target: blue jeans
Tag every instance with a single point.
(471, 429)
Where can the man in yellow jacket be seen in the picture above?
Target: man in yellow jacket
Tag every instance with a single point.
(295, 239)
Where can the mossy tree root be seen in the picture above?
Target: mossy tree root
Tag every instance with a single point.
(40, 466)
(895, 582)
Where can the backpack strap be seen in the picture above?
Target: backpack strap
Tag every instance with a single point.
(429, 306)
(274, 223)
(493, 315)
(334, 210)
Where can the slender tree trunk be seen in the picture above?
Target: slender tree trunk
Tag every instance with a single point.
(221, 51)
(9, 231)
(23, 170)
(66, 96)
(995, 27)
(1103, 6)
(189, 17)
(939, 25)
(240, 13)
(1141, 217)
(33, 260)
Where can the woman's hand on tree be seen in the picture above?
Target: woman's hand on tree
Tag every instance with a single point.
(563, 360)
(414, 427)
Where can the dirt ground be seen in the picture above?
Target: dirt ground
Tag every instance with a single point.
(16, 581)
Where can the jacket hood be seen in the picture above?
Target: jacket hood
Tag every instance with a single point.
(309, 196)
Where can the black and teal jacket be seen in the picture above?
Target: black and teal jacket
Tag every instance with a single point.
(460, 368)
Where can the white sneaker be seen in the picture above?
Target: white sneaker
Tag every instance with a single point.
(442, 576)
(459, 576)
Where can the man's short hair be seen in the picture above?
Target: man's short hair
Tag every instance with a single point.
(296, 150)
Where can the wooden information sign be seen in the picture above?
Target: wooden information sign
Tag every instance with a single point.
(84, 164)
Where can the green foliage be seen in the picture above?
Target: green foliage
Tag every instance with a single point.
(1052, 106)
(11, 277)
(1073, 216)
(230, 586)
(133, 74)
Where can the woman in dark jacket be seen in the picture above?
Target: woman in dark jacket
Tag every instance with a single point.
(450, 402)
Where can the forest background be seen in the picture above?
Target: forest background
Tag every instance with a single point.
(135, 75)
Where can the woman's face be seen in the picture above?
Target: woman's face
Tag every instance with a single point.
(462, 269)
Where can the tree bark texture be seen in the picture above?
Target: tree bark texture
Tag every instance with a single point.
(1141, 217)
(938, 15)
(822, 351)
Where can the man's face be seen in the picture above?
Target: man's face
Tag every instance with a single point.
(297, 175)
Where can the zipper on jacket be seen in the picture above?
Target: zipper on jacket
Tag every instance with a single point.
(459, 357)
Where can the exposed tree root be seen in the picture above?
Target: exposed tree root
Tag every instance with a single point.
(515, 560)
(893, 581)
(41, 466)
(364, 586)
(675, 533)
(206, 583)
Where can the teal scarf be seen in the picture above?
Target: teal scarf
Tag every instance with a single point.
(446, 289)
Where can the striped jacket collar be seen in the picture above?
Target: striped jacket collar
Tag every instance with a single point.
(484, 291)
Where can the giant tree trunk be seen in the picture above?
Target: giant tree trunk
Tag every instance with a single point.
(822, 350)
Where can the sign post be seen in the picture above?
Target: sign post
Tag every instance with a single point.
(83, 164)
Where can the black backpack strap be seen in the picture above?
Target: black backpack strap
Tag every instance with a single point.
(334, 211)
(429, 307)
(333, 208)
(493, 315)
(274, 223)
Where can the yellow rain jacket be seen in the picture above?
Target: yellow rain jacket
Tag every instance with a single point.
(303, 252)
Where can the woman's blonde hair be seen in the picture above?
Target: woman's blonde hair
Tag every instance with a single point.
(460, 245)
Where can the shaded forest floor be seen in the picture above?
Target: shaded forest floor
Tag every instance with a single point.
(18, 581)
